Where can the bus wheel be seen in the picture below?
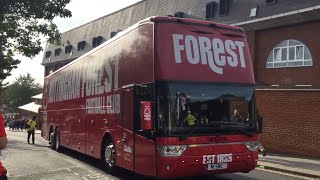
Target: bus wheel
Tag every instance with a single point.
(57, 141)
(52, 140)
(108, 157)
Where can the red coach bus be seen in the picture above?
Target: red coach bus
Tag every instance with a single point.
(168, 97)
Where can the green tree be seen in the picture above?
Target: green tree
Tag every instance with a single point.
(22, 23)
(19, 93)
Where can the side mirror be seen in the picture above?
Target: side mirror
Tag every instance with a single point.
(146, 115)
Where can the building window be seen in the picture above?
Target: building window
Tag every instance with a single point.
(271, 2)
(179, 14)
(48, 54)
(96, 41)
(289, 53)
(210, 10)
(113, 34)
(253, 12)
(68, 49)
(57, 52)
(81, 45)
(224, 7)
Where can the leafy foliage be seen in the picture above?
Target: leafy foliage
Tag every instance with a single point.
(19, 93)
(22, 23)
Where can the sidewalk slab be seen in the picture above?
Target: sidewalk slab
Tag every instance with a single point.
(36, 132)
(299, 166)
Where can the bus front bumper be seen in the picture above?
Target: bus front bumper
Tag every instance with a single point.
(183, 166)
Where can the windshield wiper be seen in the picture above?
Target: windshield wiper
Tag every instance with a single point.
(240, 129)
(183, 137)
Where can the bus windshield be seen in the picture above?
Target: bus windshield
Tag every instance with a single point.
(204, 109)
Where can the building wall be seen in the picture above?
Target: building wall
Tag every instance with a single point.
(251, 38)
(126, 17)
(264, 41)
(121, 20)
(291, 122)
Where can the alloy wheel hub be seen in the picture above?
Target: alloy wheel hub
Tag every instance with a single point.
(109, 155)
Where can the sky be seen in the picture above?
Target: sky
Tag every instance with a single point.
(82, 12)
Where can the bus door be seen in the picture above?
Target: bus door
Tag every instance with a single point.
(145, 149)
(127, 130)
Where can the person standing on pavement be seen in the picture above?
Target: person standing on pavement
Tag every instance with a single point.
(259, 128)
(3, 144)
(31, 128)
(25, 124)
(11, 124)
(15, 124)
(22, 124)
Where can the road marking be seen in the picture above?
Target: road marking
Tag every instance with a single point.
(283, 173)
(96, 176)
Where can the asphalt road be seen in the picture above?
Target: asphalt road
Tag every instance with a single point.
(27, 161)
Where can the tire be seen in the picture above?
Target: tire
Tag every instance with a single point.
(52, 140)
(108, 157)
(57, 145)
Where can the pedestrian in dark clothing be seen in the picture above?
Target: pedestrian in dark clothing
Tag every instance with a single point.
(16, 125)
(259, 129)
(25, 124)
(22, 124)
(11, 124)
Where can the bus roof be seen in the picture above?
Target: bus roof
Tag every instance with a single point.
(155, 19)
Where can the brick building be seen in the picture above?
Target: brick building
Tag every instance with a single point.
(282, 36)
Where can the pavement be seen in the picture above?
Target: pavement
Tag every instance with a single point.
(37, 131)
(293, 165)
(37, 161)
(287, 164)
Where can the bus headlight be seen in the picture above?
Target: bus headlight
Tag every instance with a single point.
(252, 146)
(171, 151)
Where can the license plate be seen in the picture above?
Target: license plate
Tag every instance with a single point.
(217, 166)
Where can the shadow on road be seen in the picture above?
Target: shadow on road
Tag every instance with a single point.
(19, 145)
(40, 145)
(121, 174)
(127, 175)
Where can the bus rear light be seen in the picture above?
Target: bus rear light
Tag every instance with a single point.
(252, 146)
(171, 151)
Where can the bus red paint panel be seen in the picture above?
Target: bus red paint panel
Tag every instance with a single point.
(204, 54)
(127, 131)
(145, 156)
